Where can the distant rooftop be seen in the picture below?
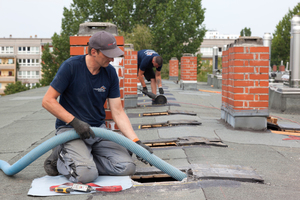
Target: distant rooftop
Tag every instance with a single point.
(214, 34)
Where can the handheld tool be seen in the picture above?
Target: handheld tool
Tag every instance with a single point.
(62, 189)
(158, 99)
(89, 188)
(84, 188)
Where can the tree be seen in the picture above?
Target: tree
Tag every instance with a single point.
(17, 70)
(16, 87)
(280, 50)
(245, 32)
(173, 27)
(140, 37)
(177, 27)
(49, 66)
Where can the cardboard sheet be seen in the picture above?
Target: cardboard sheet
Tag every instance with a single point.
(41, 186)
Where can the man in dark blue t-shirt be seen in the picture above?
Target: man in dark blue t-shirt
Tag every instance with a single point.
(83, 84)
(147, 59)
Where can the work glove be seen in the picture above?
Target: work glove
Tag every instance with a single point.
(145, 147)
(161, 90)
(82, 128)
(145, 90)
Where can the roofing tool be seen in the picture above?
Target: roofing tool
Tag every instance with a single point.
(89, 188)
(84, 188)
(158, 99)
(62, 189)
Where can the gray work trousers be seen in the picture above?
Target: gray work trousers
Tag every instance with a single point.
(84, 160)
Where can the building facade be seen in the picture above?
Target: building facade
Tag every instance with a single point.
(214, 38)
(20, 60)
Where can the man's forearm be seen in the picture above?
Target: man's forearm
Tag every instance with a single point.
(141, 78)
(57, 110)
(158, 80)
(123, 123)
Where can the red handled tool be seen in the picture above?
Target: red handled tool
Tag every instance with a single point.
(84, 188)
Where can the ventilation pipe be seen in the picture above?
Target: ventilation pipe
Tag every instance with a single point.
(267, 42)
(215, 59)
(295, 52)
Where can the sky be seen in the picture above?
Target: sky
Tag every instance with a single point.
(25, 18)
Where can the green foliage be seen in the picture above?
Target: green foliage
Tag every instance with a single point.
(140, 37)
(205, 68)
(177, 27)
(280, 49)
(245, 32)
(165, 71)
(37, 85)
(17, 69)
(13, 88)
(49, 66)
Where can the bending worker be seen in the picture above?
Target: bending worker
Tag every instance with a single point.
(83, 84)
(147, 59)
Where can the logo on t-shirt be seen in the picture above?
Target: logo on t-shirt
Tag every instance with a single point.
(102, 89)
(149, 52)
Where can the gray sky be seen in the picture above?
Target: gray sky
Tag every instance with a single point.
(25, 18)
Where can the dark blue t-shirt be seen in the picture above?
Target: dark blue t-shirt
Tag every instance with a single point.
(83, 94)
(145, 57)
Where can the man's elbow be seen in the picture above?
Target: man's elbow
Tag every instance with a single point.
(44, 103)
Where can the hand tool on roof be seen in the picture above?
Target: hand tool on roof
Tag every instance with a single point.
(84, 188)
(158, 99)
(170, 112)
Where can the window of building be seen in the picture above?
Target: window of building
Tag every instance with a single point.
(10, 61)
(28, 50)
(6, 50)
(29, 62)
(0, 73)
(10, 73)
(29, 74)
(0, 61)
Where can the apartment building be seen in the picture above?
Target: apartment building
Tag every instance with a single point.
(214, 38)
(27, 52)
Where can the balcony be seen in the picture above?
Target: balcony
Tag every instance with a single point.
(7, 79)
(7, 67)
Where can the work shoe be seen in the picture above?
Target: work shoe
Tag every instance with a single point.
(50, 164)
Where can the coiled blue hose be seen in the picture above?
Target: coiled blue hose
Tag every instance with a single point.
(99, 132)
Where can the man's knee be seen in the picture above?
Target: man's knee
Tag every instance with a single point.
(124, 169)
(86, 174)
(76, 171)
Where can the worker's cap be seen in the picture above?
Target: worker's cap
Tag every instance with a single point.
(106, 43)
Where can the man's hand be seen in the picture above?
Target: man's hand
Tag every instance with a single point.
(82, 129)
(145, 147)
(145, 90)
(161, 90)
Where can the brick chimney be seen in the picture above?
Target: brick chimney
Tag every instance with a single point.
(188, 77)
(245, 84)
(173, 69)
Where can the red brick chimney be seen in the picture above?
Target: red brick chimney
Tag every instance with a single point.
(173, 69)
(188, 76)
(245, 84)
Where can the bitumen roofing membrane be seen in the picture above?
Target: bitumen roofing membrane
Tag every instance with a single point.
(222, 162)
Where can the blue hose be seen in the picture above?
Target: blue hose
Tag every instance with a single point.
(99, 132)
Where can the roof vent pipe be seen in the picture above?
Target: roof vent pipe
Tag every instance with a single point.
(295, 52)
(215, 59)
(267, 42)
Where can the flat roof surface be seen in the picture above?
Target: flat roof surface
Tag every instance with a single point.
(24, 125)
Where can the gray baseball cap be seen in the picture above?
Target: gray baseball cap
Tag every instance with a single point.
(106, 43)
